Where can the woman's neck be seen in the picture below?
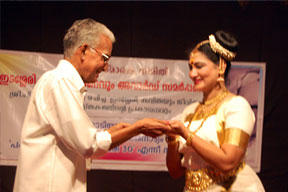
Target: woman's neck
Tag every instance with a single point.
(210, 95)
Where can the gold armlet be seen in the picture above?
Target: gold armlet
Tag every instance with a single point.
(190, 139)
(236, 137)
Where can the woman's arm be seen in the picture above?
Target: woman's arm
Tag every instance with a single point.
(173, 157)
(225, 158)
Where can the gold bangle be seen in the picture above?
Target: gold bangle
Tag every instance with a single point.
(171, 141)
(190, 139)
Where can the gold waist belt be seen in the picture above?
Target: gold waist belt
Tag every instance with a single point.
(201, 179)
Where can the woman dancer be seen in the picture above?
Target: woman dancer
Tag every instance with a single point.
(208, 144)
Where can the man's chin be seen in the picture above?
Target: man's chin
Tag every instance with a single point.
(91, 80)
(94, 79)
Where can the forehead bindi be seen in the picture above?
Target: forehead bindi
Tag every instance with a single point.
(196, 57)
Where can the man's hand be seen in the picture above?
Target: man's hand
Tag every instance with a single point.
(153, 127)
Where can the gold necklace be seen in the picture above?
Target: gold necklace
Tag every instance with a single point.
(210, 101)
(220, 98)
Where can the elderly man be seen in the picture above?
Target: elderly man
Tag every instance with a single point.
(57, 135)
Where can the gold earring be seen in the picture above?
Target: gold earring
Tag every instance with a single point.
(221, 70)
(220, 78)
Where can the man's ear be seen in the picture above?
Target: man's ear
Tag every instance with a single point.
(82, 51)
(84, 48)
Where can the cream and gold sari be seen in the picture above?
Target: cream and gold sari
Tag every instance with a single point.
(232, 123)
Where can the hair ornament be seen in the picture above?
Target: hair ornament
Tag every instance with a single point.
(217, 48)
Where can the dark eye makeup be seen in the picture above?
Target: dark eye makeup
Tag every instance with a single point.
(197, 65)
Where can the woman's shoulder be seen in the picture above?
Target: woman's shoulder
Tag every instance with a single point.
(237, 100)
(234, 103)
(237, 105)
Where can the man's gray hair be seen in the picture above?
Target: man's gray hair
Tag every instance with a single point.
(84, 31)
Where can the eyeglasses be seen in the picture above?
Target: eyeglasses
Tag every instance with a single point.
(105, 57)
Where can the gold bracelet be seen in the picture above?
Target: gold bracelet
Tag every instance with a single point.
(190, 139)
(171, 141)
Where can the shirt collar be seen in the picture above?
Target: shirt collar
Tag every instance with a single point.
(68, 68)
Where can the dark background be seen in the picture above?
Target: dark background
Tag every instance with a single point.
(167, 30)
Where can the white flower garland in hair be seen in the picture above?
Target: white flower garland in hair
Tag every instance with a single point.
(217, 48)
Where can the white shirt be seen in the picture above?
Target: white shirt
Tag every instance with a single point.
(57, 135)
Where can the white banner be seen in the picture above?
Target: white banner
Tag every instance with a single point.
(131, 89)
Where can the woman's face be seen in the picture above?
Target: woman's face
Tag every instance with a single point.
(203, 72)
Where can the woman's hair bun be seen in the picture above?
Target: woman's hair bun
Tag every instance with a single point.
(227, 40)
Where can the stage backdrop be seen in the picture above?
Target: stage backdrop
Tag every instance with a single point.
(131, 89)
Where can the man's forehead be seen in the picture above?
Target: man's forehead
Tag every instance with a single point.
(105, 44)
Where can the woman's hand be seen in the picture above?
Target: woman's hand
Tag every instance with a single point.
(178, 128)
